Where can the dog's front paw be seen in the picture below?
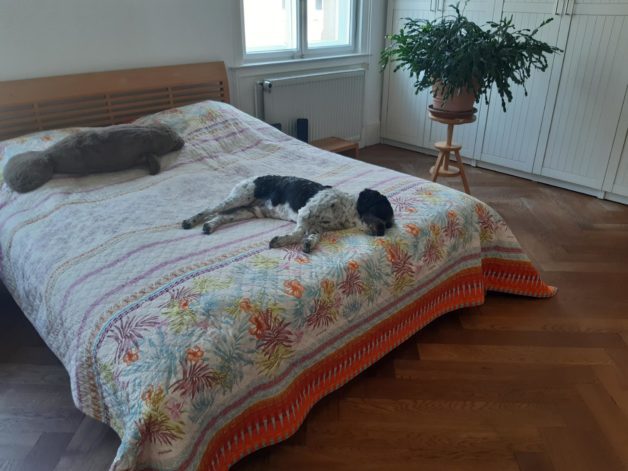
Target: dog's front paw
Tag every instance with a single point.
(307, 246)
(186, 224)
(275, 242)
(208, 228)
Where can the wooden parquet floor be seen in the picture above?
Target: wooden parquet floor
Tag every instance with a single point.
(514, 384)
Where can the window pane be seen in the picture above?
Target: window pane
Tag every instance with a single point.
(329, 23)
(270, 25)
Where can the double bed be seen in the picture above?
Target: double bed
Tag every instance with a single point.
(195, 349)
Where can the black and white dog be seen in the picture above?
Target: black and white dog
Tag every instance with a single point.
(314, 207)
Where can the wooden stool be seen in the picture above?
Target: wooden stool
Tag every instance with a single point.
(442, 167)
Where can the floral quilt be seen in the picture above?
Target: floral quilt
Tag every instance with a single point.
(200, 349)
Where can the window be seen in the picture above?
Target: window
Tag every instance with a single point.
(290, 29)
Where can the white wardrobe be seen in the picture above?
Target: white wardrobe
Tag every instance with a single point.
(571, 130)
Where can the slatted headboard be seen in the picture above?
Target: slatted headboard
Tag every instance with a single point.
(105, 98)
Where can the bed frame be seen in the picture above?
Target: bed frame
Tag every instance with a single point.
(105, 98)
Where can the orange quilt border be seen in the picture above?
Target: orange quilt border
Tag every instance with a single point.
(277, 418)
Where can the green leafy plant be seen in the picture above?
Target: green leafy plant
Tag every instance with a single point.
(463, 55)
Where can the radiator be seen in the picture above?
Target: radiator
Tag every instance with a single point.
(333, 103)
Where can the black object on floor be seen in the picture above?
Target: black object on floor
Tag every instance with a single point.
(302, 130)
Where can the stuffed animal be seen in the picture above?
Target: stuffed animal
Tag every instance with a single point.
(99, 150)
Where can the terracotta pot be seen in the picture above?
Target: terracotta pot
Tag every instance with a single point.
(461, 101)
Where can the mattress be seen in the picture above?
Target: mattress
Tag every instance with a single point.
(197, 349)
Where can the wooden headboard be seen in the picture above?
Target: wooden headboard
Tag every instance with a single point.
(105, 98)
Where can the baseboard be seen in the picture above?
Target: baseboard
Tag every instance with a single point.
(541, 179)
(423, 150)
(518, 173)
(617, 198)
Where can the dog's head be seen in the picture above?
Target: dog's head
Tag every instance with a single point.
(375, 212)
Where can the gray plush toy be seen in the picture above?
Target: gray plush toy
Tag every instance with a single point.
(98, 150)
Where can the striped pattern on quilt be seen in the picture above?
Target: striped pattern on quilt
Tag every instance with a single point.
(200, 349)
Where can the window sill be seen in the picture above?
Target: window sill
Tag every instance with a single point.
(246, 65)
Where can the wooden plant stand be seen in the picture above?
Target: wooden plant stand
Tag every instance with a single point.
(443, 167)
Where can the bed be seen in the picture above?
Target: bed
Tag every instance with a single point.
(198, 350)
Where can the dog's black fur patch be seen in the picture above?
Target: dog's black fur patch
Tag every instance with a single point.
(281, 190)
(375, 211)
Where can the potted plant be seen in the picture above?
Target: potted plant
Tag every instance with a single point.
(461, 61)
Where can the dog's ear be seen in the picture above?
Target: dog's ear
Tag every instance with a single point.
(374, 203)
(366, 199)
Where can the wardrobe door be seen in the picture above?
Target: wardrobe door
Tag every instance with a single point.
(616, 180)
(510, 138)
(592, 85)
(404, 113)
(479, 11)
(620, 184)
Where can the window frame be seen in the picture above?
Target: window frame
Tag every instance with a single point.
(302, 51)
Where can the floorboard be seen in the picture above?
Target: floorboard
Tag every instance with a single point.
(514, 384)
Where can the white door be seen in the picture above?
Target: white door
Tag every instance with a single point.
(479, 11)
(620, 183)
(404, 112)
(616, 180)
(592, 85)
(510, 138)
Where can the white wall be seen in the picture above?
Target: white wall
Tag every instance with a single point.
(53, 37)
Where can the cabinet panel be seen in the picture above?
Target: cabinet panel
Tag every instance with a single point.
(616, 180)
(404, 112)
(593, 79)
(620, 185)
(601, 3)
(479, 11)
(510, 138)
